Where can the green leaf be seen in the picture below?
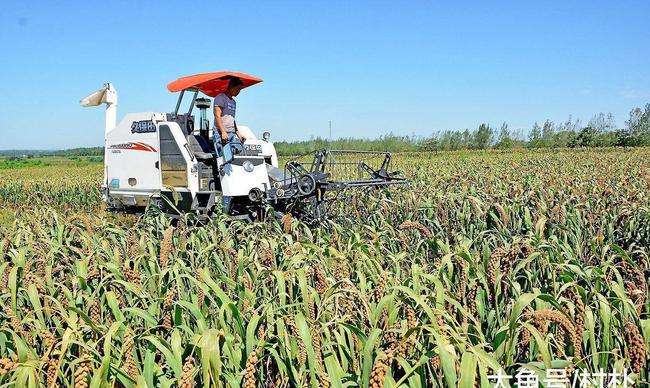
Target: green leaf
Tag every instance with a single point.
(303, 330)
(209, 343)
(196, 313)
(149, 367)
(468, 370)
(175, 363)
(112, 302)
(542, 344)
(369, 346)
(334, 371)
(447, 361)
(100, 377)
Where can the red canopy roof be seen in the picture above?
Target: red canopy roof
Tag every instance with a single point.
(210, 84)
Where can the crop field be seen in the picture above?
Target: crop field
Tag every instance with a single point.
(488, 263)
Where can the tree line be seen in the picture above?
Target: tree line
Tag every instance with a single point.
(599, 131)
(69, 153)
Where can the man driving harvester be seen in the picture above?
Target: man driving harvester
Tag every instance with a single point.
(225, 106)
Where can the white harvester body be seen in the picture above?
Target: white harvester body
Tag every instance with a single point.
(146, 155)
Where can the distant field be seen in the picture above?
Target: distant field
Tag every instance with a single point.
(60, 183)
(41, 161)
(489, 260)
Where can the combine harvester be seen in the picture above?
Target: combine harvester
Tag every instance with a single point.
(166, 160)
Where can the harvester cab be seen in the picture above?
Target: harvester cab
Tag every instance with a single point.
(169, 160)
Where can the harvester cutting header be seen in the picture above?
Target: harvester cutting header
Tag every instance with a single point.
(174, 161)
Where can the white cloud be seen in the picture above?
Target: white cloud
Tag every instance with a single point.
(634, 94)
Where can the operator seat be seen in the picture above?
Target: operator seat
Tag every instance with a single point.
(200, 148)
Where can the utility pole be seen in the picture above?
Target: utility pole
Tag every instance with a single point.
(330, 130)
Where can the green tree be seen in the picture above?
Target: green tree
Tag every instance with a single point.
(565, 133)
(456, 141)
(431, 144)
(586, 137)
(623, 137)
(535, 138)
(639, 125)
(484, 136)
(468, 139)
(505, 140)
(548, 133)
(602, 123)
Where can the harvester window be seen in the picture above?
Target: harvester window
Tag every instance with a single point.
(173, 165)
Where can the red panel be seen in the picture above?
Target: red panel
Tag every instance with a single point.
(211, 84)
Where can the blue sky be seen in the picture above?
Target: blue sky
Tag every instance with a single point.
(413, 67)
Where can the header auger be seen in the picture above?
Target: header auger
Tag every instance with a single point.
(161, 158)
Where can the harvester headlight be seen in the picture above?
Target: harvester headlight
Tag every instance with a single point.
(248, 166)
(266, 136)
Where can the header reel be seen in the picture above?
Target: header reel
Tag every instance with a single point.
(309, 187)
